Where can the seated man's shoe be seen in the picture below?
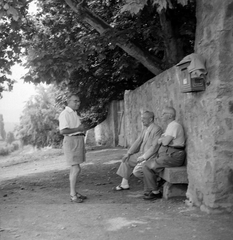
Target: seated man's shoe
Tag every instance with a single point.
(153, 196)
(147, 193)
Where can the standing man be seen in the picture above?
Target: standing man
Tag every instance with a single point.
(171, 154)
(73, 143)
(142, 149)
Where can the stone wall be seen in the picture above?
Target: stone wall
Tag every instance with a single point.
(111, 131)
(207, 116)
(163, 90)
(214, 39)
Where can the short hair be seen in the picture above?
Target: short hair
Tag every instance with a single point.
(171, 111)
(70, 95)
(150, 114)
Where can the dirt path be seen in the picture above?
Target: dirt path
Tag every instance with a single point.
(34, 204)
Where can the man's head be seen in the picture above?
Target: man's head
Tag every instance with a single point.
(147, 118)
(168, 114)
(73, 101)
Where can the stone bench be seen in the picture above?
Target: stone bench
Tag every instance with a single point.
(176, 182)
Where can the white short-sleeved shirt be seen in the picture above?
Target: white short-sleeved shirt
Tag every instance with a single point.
(175, 130)
(68, 118)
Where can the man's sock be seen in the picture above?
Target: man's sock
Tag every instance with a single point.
(124, 183)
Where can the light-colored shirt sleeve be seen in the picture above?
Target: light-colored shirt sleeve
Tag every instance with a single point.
(172, 130)
(175, 130)
(63, 121)
(68, 119)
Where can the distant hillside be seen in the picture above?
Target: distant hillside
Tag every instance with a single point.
(9, 126)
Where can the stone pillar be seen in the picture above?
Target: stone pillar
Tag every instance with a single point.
(106, 133)
(90, 137)
(210, 143)
(121, 125)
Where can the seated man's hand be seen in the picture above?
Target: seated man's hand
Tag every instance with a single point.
(140, 159)
(159, 140)
(125, 158)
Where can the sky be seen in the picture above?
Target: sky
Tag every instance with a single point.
(12, 103)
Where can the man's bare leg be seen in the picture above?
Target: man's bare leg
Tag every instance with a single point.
(74, 172)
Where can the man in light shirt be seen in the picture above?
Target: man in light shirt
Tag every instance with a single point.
(145, 147)
(171, 154)
(73, 143)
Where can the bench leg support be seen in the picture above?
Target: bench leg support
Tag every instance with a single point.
(174, 190)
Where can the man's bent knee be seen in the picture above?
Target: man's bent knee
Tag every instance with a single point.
(137, 171)
(138, 174)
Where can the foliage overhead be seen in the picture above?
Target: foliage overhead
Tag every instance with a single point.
(66, 47)
(135, 6)
(12, 25)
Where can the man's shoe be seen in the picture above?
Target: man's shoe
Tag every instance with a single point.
(75, 199)
(81, 196)
(153, 196)
(147, 193)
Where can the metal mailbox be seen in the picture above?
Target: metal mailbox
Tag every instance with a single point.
(192, 81)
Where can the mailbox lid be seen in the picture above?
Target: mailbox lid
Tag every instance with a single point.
(183, 66)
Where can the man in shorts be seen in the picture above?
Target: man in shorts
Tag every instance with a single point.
(73, 143)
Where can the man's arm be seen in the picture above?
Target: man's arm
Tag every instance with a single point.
(154, 146)
(171, 132)
(80, 128)
(136, 145)
(134, 148)
(165, 140)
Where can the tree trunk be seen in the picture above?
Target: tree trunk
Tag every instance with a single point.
(151, 63)
(173, 53)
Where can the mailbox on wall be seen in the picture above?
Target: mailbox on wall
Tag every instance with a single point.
(192, 73)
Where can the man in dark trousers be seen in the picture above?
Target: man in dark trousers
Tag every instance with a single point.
(171, 154)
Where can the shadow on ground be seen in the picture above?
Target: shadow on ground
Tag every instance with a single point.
(37, 206)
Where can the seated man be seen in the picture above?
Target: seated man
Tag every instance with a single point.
(145, 146)
(171, 154)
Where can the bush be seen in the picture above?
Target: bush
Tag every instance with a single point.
(6, 149)
(15, 145)
(10, 137)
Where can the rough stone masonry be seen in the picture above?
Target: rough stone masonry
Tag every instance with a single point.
(207, 116)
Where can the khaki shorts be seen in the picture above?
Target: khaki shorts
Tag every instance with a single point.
(74, 149)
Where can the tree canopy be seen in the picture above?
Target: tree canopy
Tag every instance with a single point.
(98, 48)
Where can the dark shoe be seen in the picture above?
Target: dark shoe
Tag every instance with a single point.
(146, 193)
(152, 196)
(81, 196)
(75, 199)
